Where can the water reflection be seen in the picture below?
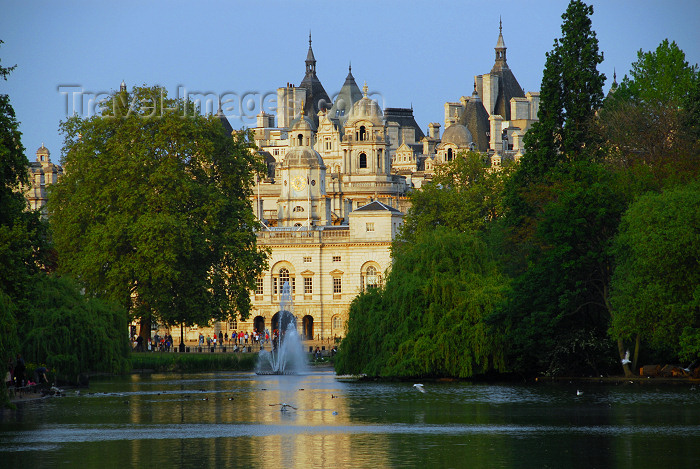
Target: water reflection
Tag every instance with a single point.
(227, 419)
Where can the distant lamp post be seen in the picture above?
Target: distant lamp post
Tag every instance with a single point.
(182, 338)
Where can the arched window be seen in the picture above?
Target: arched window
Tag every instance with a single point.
(363, 133)
(337, 323)
(371, 278)
(285, 277)
(363, 160)
(449, 154)
(300, 139)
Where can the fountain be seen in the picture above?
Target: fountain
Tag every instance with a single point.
(287, 356)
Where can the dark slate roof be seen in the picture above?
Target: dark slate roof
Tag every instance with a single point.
(316, 96)
(458, 134)
(375, 207)
(224, 121)
(508, 87)
(416, 147)
(403, 117)
(349, 94)
(476, 119)
(303, 157)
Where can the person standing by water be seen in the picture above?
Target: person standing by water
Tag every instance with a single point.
(9, 377)
(19, 371)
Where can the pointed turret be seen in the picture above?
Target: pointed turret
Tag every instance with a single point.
(476, 120)
(500, 49)
(224, 120)
(349, 94)
(310, 60)
(497, 98)
(316, 97)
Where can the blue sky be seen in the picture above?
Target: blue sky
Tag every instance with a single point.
(412, 53)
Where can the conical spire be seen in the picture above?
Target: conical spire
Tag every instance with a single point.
(310, 59)
(500, 49)
(500, 44)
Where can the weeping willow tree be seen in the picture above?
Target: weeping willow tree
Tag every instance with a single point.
(72, 333)
(429, 318)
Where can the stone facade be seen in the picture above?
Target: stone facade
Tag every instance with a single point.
(42, 173)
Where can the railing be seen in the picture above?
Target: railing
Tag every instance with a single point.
(303, 236)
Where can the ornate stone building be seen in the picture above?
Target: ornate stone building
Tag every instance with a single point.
(338, 175)
(42, 173)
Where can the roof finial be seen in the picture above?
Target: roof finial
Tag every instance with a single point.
(350, 66)
(309, 38)
(302, 107)
(500, 25)
(364, 89)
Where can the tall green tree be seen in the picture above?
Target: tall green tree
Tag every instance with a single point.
(570, 94)
(655, 293)
(23, 235)
(562, 211)
(13, 163)
(153, 210)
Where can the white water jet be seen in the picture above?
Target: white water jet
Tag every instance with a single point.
(287, 356)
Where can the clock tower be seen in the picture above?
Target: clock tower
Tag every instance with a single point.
(302, 201)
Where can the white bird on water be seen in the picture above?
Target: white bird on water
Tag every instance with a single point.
(579, 393)
(283, 406)
(419, 387)
(626, 360)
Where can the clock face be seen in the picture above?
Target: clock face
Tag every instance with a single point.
(299, 183)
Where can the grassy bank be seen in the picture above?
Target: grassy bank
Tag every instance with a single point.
(192, 362)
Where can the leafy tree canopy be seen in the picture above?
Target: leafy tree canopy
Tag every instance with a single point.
(463, 194)
(153, 210)
(13, 163)
(662, 77)
(72, 333)
(560, 297)
(656, 284)
(653, 117)
(429, 318)
(570, 94)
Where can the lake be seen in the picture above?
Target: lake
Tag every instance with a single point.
(233, 419)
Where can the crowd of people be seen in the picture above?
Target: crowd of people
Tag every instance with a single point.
(236, 339)
(17, 374)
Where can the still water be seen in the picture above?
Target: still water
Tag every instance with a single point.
(226, 420)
